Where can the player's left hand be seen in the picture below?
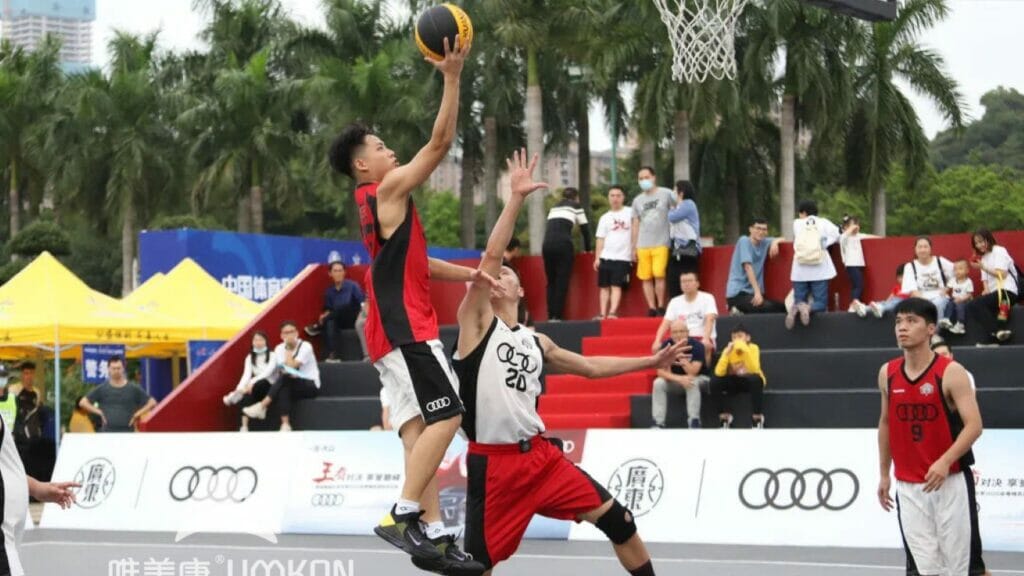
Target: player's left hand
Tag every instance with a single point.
(936, 475)
(454, 57)
(670, 355)
(59, 493)
(521, 173)
(481, 278)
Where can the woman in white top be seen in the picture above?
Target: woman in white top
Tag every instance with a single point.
(928, 276)
(999, 274)
(253, 386)
(294, 375)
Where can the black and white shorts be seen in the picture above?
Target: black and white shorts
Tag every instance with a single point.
(613, 273)
(940, 528)
(419, 381)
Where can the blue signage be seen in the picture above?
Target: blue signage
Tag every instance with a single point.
(199, 351)
(94, 361)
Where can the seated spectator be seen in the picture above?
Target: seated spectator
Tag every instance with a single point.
(250, 388)
(744, 291)
(512, 251)
(961, 293)
(686, 377)
(896, 295)
(812, 265)
(698, 309)
(119, 403)
(852, 253)
(344, 307)
(614, 253)
(927, 276)
(293, 373)
(739, 372)
(1002, 286)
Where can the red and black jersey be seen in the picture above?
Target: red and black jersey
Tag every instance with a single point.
(921, 425)
(399, 311)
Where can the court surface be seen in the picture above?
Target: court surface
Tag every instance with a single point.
(82, 553)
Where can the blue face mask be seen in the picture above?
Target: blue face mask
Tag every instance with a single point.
(259, 350)
(646, 185)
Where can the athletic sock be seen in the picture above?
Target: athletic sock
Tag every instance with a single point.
(435, 530)
(645, 570)
(403, 507)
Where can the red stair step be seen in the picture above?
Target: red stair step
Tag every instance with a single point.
(617, 345)
(633, 383)
(584, 421)
(583, 403)
(630, 327)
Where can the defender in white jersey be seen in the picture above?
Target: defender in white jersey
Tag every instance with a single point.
(514, 472)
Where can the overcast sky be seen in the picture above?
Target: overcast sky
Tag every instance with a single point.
(981, 42)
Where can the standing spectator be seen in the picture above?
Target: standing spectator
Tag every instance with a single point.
(28, 427)
(8, 404)
(684, 236)
(738, 372)
(698, 309)
(961, 293)
(252, 389)
(1002, 285)
(812, 265)
(853, 258)
(614, 252)
(120, 404)
(651, 238)
(685, 377)
(344, 306)
(896, 295)
(294, 373)
(744, 291)
(558, 249)
(928, 276)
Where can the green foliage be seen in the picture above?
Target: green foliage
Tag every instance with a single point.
(440, 214)
(178, 221)
(11, 269)
(997, 138)
(41, 236)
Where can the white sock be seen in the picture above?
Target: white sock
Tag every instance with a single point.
(406, 507)
(435, 530)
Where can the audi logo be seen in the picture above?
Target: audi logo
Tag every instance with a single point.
(327, 499)
(808, 489)
(916, 412)
(439, 404)
(220, 484)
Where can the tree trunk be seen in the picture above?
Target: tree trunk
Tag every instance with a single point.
(878, 212)
(648, 153)
(244, 214)
(256, 199)
(535, 145)
(584, 159)
(15, 200)
(490, 173)
(467, 216)
(682, 155)
(732, 208)
(127, 244)
(787, 165)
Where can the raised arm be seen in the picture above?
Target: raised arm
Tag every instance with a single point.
(606, 366)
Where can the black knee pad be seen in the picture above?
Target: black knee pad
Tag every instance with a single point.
(617, 524)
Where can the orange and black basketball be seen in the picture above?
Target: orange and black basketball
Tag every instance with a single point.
(438, 23)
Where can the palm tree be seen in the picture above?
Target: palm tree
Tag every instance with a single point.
(884, 127)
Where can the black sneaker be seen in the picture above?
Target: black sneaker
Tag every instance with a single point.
(404, 531)
(652, 313)
(454, 561)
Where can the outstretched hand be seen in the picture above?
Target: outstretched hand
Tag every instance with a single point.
(480, 278)
(59, 493)
(666, 357)
(454, 57)
(521, 174)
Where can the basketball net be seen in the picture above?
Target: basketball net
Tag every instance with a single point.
(703, 36)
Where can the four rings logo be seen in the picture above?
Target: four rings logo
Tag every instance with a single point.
(638, 484)
(808, 489)
(327, 500)
(916, 412)
(439, 404)
(219, 484)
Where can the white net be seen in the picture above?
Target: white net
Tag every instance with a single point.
(703, 35)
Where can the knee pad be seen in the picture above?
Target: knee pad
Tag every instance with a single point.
(617, 524)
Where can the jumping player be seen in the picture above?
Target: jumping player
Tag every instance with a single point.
(401, 326)
(929, 422)
(513, 472)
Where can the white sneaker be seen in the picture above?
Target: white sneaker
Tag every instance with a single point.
(877, 310)
(958, 328)
(945, 324)
(805, 313)
(1003, 335)
(757, 424)
(734, 311)
(232, 398)
(243, 429)
(257, 411)
(791, 317)
(726, 423)
(860, 309)
(285, 427)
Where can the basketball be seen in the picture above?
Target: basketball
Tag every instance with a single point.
(438, 23)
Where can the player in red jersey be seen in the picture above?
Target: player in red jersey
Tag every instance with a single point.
(929, 422)
(401, 326)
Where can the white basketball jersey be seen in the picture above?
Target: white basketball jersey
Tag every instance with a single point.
(499, 385)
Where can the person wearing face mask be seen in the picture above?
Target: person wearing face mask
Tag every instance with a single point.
(651, 238)
(251, 387)
(294, 374)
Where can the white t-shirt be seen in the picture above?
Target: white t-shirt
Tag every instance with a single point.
(823, 270)
(852, 251)
(694, 312)
(616, 230)
(999, 259)
(928, 279)
(15, 498)
(308, 368)
(961, 289)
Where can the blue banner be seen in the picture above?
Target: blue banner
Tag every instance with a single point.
(94, 361)
(255, 266)
(199, 351)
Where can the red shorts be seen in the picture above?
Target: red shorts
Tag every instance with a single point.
(507, 486)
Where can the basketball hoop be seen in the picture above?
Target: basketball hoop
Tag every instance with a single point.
(703, 36)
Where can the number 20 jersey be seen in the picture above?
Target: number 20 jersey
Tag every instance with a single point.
(500, 382)
(921, 425)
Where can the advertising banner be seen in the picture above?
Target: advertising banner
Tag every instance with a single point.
(94, 361)
(199, 351)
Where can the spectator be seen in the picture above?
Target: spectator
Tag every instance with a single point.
(614, 252)
(1002, 286)
(512, 252)
(684, 235)
(853, 258)
(739, 371)
(293, 373)
(896, 295)
(688, 376)
(961, 293)
(651, 238)
(812, 266)
(699, 311)
(119, 403)
(942, 348)
(250, 388)
(344, 309)
(558, 250)
(744, 291)
(928, 276)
